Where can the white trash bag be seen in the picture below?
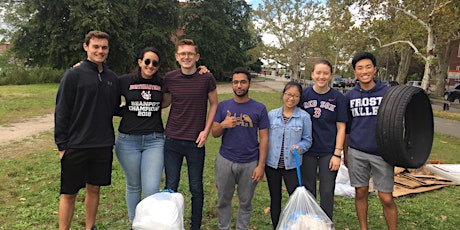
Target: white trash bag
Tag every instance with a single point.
(160, 211)
(301, 211)
(342, 183)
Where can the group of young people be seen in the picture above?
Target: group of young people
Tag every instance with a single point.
(89, 96)
(339, 124)
(317, 121)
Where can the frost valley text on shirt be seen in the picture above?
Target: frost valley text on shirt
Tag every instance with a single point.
(365, 106)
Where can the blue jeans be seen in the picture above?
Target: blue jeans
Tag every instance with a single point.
(141, 157)
(175, 151)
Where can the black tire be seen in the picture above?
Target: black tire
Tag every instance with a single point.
(405, 127)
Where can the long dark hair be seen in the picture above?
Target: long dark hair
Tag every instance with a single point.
(136, 73)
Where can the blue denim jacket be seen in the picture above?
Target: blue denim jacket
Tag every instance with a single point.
(296, 131)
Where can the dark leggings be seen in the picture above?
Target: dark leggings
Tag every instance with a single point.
(274, 180)
(327, 177)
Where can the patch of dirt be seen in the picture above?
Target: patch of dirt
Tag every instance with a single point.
(20, 130)
(20, 138)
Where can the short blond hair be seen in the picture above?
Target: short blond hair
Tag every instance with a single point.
(186, 42)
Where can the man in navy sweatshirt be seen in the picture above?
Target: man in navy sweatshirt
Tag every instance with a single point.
(87, 98)
(360, 148)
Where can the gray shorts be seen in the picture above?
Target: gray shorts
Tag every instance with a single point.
(361, 164)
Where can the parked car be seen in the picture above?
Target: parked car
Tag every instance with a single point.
(307, 83)
(349, 82)
(419, 84)
(391, 83)
(338, 82)
(287, 76)
(355, 81)
(414, 83)
(453, 94)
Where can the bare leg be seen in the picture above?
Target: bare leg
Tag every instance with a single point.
(390, 211)
(91, 204)
(66, 208)
(361, 205)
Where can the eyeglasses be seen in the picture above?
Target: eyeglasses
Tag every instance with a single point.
(291, 95)
(154, 62)
(182, 55)
(243, 82)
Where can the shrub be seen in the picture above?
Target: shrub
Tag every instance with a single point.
(24, 76)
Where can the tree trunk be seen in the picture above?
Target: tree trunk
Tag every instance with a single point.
(429, 60)
(443, 68)
(404, 65)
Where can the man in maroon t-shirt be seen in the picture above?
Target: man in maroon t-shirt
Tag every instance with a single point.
(187, 127)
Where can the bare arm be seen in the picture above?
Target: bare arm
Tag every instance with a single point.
(258, 173)
(334, 164)
(213, 101)
(166, 100)
(228, 123)
(345, 150)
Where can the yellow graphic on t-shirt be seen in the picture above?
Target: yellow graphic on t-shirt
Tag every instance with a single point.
(243, 120)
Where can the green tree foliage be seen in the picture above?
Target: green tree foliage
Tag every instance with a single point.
(331, 35)
(291, 23)
(221, 28)
(51, 32)
(437, 19)
(157, 22)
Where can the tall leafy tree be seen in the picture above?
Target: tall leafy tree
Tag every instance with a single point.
(221, 29)
(157, 24)
(439, 20)
(51, 32)
(331, 34)
(290, 21)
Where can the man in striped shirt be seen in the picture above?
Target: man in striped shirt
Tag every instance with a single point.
(189, 123)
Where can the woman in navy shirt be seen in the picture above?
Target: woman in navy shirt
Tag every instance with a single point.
(327, 109)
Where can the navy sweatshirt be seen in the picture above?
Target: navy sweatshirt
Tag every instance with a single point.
(85, 104)
(362, 122)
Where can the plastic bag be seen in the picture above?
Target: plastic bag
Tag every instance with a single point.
(160, 211)
(303, 213)
(342, 183)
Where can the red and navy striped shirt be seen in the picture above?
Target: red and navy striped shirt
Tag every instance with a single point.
(189, 95)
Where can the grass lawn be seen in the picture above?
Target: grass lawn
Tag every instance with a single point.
(29, 184)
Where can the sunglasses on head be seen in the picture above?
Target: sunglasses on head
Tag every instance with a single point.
(154, 63)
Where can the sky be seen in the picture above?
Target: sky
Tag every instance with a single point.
(254, 3)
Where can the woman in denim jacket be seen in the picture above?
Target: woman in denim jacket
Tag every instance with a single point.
(290, 127)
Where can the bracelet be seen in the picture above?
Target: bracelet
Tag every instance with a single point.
(339, 156)
(339, 149)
